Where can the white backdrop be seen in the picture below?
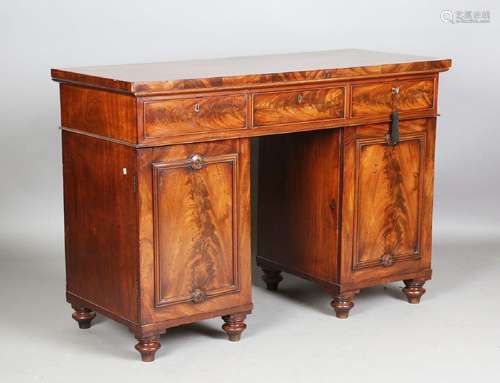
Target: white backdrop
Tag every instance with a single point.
(452, 335)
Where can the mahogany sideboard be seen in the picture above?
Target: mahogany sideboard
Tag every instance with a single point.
(156, 161)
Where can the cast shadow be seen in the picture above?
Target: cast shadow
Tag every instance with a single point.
(455, 264)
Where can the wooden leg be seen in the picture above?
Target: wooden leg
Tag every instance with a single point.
(147, 347)
(414, 290)
(272, 278)
(234, 326)
(83, 316)
(342, 304)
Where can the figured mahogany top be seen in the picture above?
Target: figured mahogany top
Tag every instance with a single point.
(243, 72)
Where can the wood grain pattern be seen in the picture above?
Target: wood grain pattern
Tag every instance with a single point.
(387, 202)
(225, 115)
(100, 224)
(203, 202)
(98, 112)
(299, 105)
(372, 99)
(244, 72)
(201, 222)
(299, 181)
(388, 196)
(189, 115)
(376, 99)
(415, 95)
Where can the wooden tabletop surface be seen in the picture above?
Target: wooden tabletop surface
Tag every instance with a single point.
(248, 71)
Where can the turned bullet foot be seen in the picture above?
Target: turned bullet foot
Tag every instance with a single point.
(272, 278)
(147, 347)
(414, 290)
(342, 304)
(83, 316)
(234, 325)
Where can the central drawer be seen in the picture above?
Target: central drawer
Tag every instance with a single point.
(298, 106)
(194, 115)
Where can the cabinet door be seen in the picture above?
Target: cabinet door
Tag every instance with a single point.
(387, 200)
(200, 227)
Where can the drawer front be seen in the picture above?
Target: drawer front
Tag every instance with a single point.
(299, 106)
(194, 115)
(380, 99)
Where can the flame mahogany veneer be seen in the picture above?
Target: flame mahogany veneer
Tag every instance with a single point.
(156, 162)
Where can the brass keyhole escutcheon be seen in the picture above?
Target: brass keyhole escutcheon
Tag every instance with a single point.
(299, 99)
(197, 108)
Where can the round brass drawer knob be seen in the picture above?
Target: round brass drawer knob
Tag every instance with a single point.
(387, 260)
(198, 296)
(196, 161)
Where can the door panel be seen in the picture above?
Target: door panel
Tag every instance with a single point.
(199, 260)
(389, 190)
(194, 203)
(387, 200)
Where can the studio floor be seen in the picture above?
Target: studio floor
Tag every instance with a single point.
(292, 336)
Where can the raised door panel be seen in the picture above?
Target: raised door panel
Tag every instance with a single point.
(389, 191)
(195, 220)
(387, 200)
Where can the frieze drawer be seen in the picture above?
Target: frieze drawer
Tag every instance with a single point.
(194, 115)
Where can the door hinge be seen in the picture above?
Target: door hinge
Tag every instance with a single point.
(135, 184)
